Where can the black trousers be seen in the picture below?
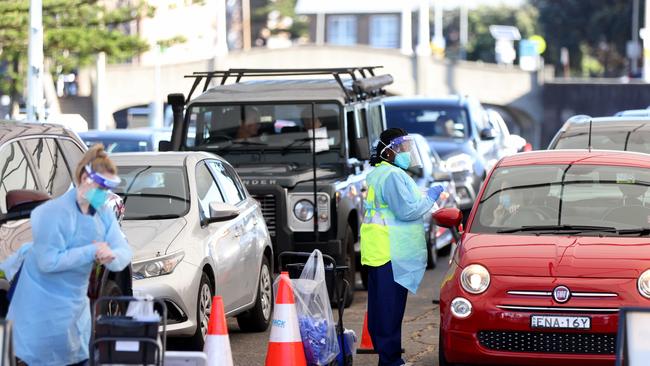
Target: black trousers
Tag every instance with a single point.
(386, 306)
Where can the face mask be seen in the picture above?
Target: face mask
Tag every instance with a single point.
(96, 197)
(403, 160)
(505, 200)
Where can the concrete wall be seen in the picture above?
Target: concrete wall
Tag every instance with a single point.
(509, 87)
(565, 99)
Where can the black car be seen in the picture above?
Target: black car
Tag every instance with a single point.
(607, 133)
(301, 146)
(458, 129)
(37, 162)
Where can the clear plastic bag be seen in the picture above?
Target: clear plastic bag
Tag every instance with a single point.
(317, 327)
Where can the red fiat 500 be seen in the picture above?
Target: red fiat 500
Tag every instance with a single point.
(556, 243)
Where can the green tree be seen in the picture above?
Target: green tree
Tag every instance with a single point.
(75, 31)
(480, 45)
(595, 32)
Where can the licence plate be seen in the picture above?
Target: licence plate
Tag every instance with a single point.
(560, 322)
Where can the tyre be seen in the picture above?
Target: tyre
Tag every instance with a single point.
(348, 246)
(432, 251)
(442, 359)
(111, 289)
(203, 308)
(258, 318)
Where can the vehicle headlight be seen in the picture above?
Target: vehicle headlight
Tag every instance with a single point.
(157, 266)
(460, 163)
(304, 210)
(643, 284)
(475, 279)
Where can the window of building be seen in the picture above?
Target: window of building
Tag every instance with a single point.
(342, 30)
(384, 31)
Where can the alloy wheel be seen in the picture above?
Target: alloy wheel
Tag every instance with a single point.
(265, 291)
(205, 307)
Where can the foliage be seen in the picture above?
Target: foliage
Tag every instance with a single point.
(595, 32)
(74, 32)
(283, 8)
(480, 43)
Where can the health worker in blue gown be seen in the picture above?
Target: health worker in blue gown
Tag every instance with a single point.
(50, 309)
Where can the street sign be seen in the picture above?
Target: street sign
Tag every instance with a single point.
(528, 56)
(505, 32)
(540, 43)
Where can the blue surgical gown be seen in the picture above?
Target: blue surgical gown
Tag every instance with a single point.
(50, 310)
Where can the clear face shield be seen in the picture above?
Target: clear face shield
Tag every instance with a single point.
(405, 152)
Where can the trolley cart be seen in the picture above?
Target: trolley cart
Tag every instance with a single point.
(120, 339)
(337, 287)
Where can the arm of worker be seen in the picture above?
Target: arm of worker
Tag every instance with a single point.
(118, 244)
(406, 205)
(50, 250)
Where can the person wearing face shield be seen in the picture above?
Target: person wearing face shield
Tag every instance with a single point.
(393, 244)
(49, 309)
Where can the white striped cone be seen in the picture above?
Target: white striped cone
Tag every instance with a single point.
(217, 348)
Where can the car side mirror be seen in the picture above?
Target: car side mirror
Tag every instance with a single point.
(448, 217)
(164, 145)
(488, 134)
(220, 212)
(21, 202)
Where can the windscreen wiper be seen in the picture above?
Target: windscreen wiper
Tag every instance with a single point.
(641, 231)
(300, 141)
(578, 228)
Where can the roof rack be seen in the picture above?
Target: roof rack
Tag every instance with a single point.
(365, 83)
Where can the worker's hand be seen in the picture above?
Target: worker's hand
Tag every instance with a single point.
(104, 254)
(443, 196)
(434, 192)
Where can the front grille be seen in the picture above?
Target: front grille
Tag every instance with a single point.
(538, 342)
(268, 205)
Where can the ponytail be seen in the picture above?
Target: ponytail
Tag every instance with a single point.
(99, 162)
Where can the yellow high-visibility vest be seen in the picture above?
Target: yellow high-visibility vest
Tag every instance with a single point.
(375, 242)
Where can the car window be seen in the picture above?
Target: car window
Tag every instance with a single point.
(50, 165)
(120, 145)
(607, 137)
(227, 183)
(151, 191)
(14, 172)
(206, 189)
(72, 152)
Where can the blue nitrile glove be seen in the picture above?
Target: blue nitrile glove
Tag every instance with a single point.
(434, 192)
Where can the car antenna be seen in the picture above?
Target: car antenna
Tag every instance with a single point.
(590, 123)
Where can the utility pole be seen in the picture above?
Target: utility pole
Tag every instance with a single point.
(246, 23)
(222, 28)
(464, 21)
(634, 61)
(646, 44)
(35, 101)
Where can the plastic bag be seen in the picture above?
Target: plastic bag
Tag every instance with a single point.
(142, 309)
(317, 327)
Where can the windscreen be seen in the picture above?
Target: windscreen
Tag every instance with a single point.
(264, 127)
(117, 145)
(153, 192)
(428, 121)
(611, 137)
(564, 195)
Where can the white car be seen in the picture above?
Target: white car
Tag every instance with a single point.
(195, 231)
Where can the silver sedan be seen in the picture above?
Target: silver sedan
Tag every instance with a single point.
(195, 231)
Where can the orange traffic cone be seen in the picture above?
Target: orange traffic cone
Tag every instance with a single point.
(217, 343)
(285, 344)
(366, 342)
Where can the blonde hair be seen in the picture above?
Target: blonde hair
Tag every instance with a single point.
(98, 160)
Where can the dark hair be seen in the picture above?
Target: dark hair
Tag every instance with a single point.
(384, 140)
